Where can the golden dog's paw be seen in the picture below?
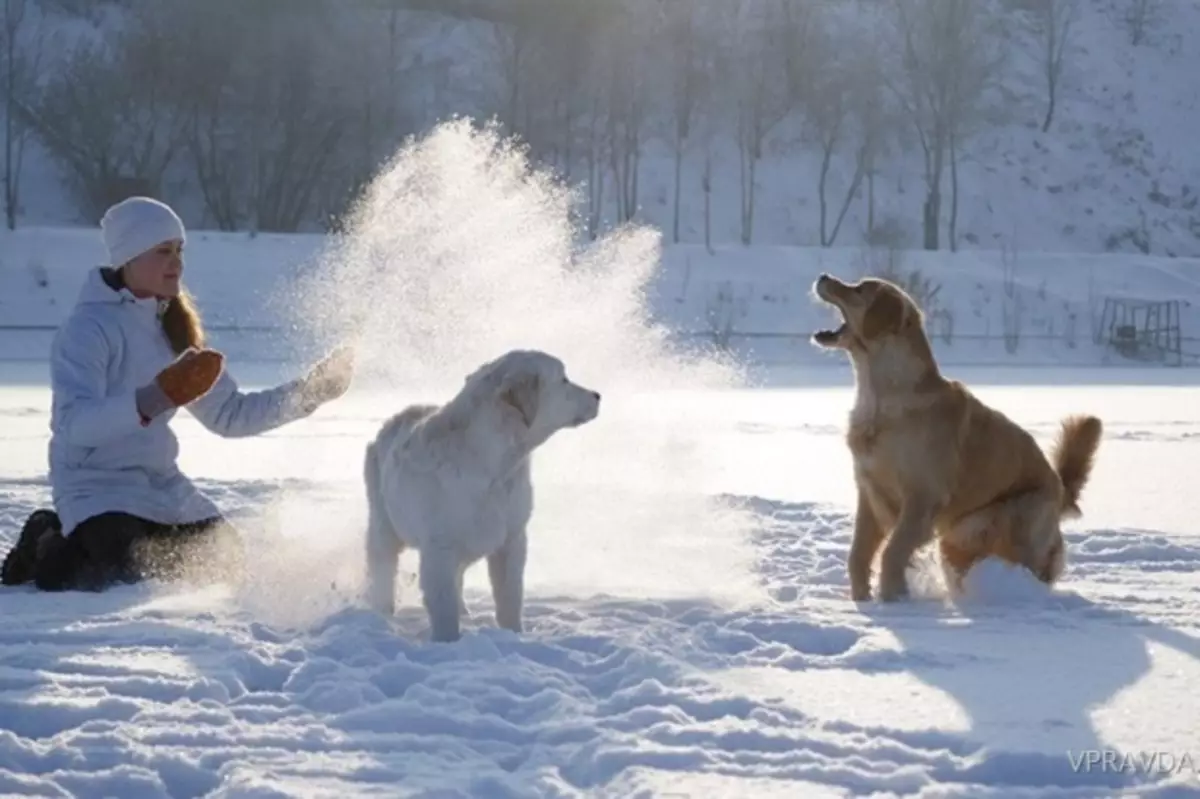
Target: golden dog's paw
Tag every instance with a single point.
(893, 590)
(860, 593)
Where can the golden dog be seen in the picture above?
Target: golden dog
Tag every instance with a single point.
(930, 458)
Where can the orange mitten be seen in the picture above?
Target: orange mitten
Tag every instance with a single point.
(191, 375)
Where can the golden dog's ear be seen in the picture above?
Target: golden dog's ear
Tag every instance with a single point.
(521, 392)
(889, 312)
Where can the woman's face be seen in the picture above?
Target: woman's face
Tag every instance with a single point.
(157, 271)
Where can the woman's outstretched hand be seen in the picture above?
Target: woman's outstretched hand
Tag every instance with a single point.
(187, 378)
(330, 378)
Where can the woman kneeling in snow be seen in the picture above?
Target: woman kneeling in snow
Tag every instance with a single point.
(130, 353)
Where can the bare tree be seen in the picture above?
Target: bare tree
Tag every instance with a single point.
(89, 10)
(214, 50)
(1056, 20)
(878, 125)
(111, 117)
(270, 107)
(687, 79)
(567, 53)
(22, 45)
(829, 117)
(294, 151)
(1139, 16)
(367, 61)
(762, 99)
(629, 100)
(952, 230)
(842, 106)
(547, 70)
(706, 185)
(14, 15)
(949, 58)
(596, 146)
(1012, 306)
(512, 44)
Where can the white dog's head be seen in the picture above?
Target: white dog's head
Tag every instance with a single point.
(533, 388)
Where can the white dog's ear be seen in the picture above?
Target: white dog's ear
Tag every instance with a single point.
(521, 392)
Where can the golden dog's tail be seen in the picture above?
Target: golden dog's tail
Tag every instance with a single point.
(1073, 454)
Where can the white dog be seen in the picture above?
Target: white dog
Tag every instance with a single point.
(453, 482)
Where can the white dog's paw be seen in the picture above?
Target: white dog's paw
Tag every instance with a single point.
(512, 626)
(444, 630)
(508, 618)
(382, 602)
(382, 608)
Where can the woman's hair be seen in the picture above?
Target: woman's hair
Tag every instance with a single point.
(181, 322)
(180, 319)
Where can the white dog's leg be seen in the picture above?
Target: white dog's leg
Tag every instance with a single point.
(463, 613)
(506, 570)
(439, 592)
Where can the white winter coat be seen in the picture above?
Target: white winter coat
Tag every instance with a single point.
(101, 457)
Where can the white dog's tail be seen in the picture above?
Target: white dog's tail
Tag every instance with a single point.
(382, 545)
(371, 477)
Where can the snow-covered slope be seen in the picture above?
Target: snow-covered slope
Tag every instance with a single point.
(755, 300)
(1118, 170)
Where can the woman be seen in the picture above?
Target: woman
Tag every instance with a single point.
(130, 353)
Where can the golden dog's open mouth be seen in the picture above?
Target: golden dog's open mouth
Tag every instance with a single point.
(829, 337)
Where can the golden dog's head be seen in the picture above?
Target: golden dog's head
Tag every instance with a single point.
(874, 311)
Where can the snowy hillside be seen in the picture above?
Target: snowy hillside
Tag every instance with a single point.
(1116, 171)
(756, 300)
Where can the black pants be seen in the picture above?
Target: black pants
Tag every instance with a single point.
(115, 548)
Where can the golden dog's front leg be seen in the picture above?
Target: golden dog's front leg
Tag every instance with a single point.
(913, 530)
(868, 536)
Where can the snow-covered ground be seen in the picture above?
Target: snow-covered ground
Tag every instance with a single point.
(690, 628)
(690, 635)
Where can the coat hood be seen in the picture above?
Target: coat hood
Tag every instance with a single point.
(97, 289)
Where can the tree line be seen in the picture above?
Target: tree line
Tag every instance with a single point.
(272, 114)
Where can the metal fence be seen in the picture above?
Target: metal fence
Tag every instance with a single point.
(1189, 355)
(1190, 344)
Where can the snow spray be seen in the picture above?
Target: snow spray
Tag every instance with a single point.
(461, 249)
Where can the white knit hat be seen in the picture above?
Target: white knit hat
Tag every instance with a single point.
(137, 224)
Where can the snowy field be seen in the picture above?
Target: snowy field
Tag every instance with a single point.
(690, 635)
(690, 631)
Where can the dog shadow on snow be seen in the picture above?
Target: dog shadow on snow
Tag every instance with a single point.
(1031, 668)
(1035, 676)
(585, 689)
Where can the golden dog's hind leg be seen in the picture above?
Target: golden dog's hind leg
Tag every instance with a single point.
(1034, 537)
(967, 541)
(913, 530)
(1021, 529)
(956, 562)
(868, 536)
